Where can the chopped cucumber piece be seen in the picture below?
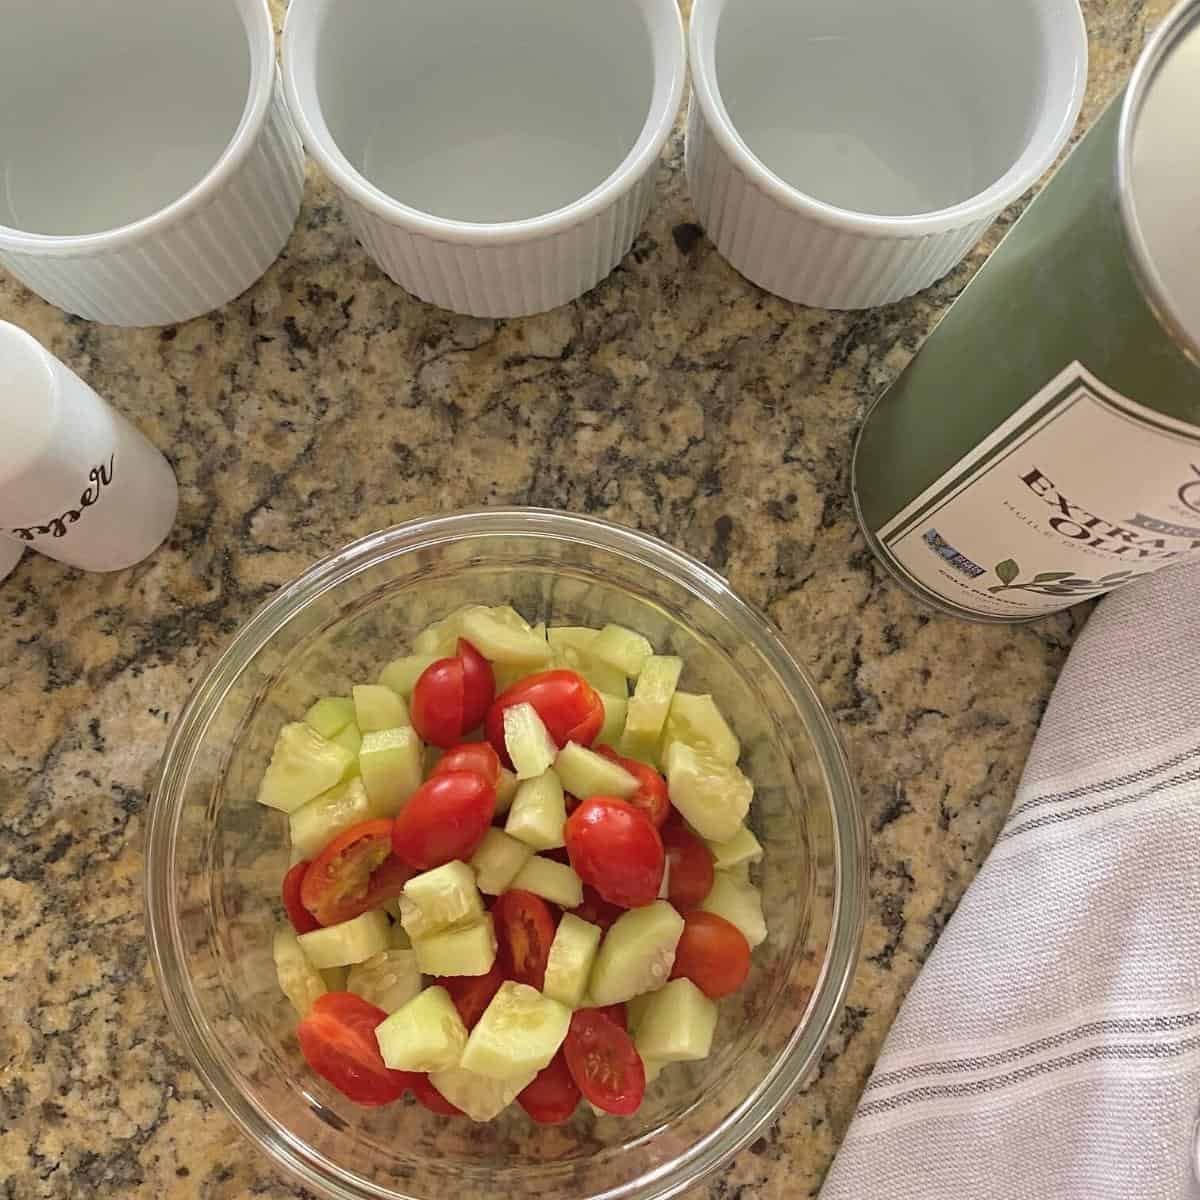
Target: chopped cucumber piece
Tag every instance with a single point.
(570, 963)
(507, 615)
(538, 813)
(712, 796)
(585, 773)
(740, 904)
(350, 942)
(481, 1098)
(389, 980)
(615, 710)
(438, 899)
(335, 978)
(402, 674)
(497, 861)
(470, 950)
(530, 747)
(299, 980)
(539, 630)
(621, 648)
(315, 825)
(653, 1068)
(391, 765)
(350, 739)
(637, 954)
(506, 789)
(303, 765)
(519, 1032)
(576, 637)
(553, 881)
(502, 643)
(600, 675)
(743, 847)
(740, 873)
(697, 722)
(441, 638)
(678, 1024)
(635, 1010)
(377, 707)
(649, 705)
(330, 715)
(427, 1034)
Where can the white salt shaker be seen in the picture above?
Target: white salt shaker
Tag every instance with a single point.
(77, 481)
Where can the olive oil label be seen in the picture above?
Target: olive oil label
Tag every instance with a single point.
(1079, 492)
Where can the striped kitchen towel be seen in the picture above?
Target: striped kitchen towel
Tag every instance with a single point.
(1050, 1048)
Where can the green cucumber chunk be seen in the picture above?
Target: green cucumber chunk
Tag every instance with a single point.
(740, 903)
(506, 789)
(697, 722)
(401, 674)
(637, 954)
(468, 950)
(497, 861)
(585, 773)
(315, 825)
(377, 707)
(741, 849)
(648, 707)
(621, 648)
(350, 942)
(388, 980)
(711, 796)
(299, 980)
(350, 739)
(481, 1098)
(615, 710)
(330, 715)
(427, 1034)
(303, 765)
(574, 637)
(678, 1024)
(635, 1010)
(502, 643)
(602, 676)
(391, 765)
(553, 881)
(538, 812)
(653, 1068)
(572, 954)
(520, 1031)
(531, 749)
(438, 899)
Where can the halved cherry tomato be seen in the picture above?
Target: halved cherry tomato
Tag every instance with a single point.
(651, 796)
(596, 910)
(438, 701)
(479, 684)
(570, 708)
(338, 1041)
(444, 819)
(471, 756)
(473, 993)
(429, 1097)
(354, 873)
(691, 877)
(302, 920)
(524, 931)
(614, 848)
(604, 1063)
(614, 1012)
(713, 953)
(553, 1095)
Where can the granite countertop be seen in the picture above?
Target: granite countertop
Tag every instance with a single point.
(323, 404)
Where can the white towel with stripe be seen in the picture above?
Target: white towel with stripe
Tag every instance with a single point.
(1050, 1047)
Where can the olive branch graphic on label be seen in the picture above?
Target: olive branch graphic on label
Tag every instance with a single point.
(1055, 583)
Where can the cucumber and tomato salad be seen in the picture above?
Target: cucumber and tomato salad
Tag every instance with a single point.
(514, 880)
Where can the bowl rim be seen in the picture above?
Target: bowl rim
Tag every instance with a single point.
(167, 953)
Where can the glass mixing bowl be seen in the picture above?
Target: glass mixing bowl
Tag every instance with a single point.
(215, 859)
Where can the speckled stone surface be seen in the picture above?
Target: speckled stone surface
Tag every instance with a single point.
(326, 403)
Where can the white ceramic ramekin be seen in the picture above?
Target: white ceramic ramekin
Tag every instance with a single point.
(480, 267)
(816, 253)
(211, 242)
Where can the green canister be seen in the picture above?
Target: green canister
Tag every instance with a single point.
(1044, 444)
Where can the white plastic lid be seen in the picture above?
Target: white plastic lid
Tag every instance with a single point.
(1164, 175)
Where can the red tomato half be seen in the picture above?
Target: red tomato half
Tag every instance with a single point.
(524, 930)
(605, 1063)
(354, 873)
(438, 702)
(651, 796)
(691, 877)
(479, 684)
(570, 708)
(444, 819)
(429, 1097)
(471, 756)
(302, 920)
(473, 993)
(553, 1095)
(596, 910)
(614, 1012)
(614, 848)
(713, 953)
(338, 1041)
